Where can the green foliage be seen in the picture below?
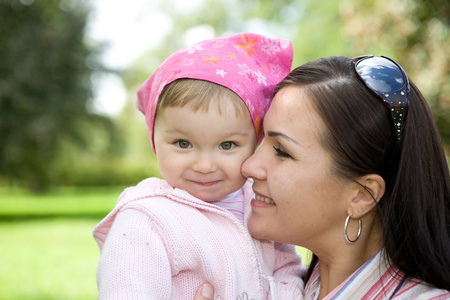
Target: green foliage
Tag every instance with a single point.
(414, 32)
(45, 88)
(108, 172)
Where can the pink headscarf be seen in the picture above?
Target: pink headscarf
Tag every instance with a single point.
(249, 64)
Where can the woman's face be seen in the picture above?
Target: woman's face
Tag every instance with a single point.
(298, 200)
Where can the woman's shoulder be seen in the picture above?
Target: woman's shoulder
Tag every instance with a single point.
(419, 290)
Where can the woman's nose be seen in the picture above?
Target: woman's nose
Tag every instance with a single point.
(253, 166)
(204, 164)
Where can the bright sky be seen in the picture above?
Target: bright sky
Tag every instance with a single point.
(129, 29)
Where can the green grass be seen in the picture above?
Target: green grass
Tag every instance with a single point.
(68, 202)
(48, 259)
(46, 249)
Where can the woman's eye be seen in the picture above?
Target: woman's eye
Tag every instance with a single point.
(183, 144)
(281, 153)
(227, 145)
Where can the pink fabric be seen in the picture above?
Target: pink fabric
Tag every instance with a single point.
(233, 203)
(162, 243)
(248, 64)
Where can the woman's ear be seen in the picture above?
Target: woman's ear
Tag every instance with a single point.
(368, 193)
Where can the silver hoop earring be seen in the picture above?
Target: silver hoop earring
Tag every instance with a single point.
(345, 230)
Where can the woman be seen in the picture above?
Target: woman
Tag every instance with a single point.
(352, 168)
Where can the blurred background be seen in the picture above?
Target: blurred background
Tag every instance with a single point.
(71, 138)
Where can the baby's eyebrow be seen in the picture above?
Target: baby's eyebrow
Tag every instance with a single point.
(223, 135)
(176, 130)
(235, 133)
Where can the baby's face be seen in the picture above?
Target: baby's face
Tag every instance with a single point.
(202, 152)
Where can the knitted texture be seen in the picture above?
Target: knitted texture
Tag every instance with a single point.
(162, 243)
(249, 64)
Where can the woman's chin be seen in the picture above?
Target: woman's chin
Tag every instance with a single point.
(256, 229)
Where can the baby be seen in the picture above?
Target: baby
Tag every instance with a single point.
(204, 108)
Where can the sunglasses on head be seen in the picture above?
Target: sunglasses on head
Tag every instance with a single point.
(386, 78)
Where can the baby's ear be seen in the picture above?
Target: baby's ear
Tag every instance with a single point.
(367, 195)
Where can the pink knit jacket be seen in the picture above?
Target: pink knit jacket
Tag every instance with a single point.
(162, 243)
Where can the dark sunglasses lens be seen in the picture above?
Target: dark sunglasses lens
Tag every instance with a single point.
(380, 74)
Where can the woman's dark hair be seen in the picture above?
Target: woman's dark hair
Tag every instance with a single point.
(415, 208)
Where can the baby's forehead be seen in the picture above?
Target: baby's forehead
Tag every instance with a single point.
(201, 95)
(221, 105)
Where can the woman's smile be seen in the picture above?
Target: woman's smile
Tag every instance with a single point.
(264, 199)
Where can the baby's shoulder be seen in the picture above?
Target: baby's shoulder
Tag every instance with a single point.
(150, 187)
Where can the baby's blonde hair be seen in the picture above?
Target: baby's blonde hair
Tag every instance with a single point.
(199, 94)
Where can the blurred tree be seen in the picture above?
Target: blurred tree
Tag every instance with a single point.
(45, 87)
(312, 26)
(414, 32)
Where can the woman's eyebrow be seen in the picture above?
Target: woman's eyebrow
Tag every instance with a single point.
(282, 135)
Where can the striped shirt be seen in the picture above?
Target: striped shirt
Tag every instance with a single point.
(375, 280)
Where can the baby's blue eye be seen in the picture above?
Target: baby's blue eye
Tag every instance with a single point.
(183, 144)
(227, 145)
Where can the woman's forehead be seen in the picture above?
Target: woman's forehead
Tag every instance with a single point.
(292, 110)
(291, 103)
